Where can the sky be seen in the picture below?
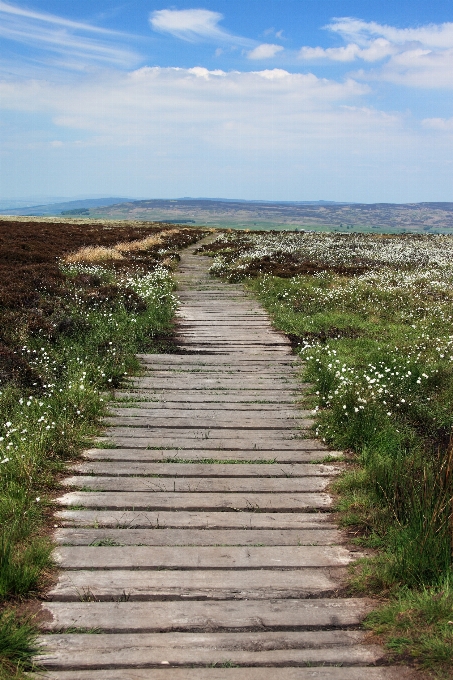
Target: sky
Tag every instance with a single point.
(277, 100)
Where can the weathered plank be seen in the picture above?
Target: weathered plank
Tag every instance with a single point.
(219, 421)
(210, 396)
(199, 484)
(193, 382)
(320, 673)
(201, 557)
(238, 614)
(197, 408)
(207, 441)
(208, 454)
(151, 644)
(258, 411)
(216, 584)
(208, 418)
(194, 520)
(155, 500)
(183, 649)
(184, 537)
(205, 470)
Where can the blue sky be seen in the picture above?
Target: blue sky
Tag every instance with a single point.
(259, 99)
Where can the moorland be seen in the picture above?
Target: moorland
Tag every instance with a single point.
(255, 215)
(370, 316)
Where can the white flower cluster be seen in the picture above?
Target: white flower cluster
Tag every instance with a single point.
(332, 249)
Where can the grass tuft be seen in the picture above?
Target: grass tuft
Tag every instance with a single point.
(18, 646)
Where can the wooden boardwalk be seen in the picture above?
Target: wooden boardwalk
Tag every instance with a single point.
(202, 547)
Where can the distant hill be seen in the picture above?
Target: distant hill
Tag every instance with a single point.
(58, 208)
(421, 217)
(427, 217)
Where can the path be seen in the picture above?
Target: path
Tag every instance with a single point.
(201, 547)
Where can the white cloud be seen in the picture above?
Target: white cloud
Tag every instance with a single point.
(194, 25)
(415, 57)
(420, 68)
(264, 51)
(248, 109)
(431, 35)
(64, 37)
(178, 131)
(377, 50)
(443, 124)
(164, 131)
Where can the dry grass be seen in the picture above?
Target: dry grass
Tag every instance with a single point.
(95, 254)
(142, 244)
(103, 254)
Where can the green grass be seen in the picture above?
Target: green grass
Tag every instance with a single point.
(383, 392)
(419, 624)
(18, 646)
(377, 347)
(43, 426)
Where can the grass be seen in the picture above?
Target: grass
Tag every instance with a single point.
(17, 645)
(58, 364)
(419, 624)
(371, 318)
(100, 254)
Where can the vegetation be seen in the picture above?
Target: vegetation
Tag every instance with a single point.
(371, 317)
(72, 323)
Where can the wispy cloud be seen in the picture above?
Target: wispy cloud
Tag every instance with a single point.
(415, 57)
(264, 51)
(74, 42)
(361, 32)
(46, 18)
(195, 25)
(442, 124)
(378, 49)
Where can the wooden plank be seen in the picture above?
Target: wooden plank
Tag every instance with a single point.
(185, 536)
(205, 470)
(206, 441)
(170, 407)
(183, 649)
(193, 382)
(210, 396)
(320, 673)
(201, 557)
(221, 413)
(199, 484)
(232, 420)
(76, 645)
(216, 584)
(194, 520)
(210, 432)
(227, 371)
(206, 360)
(206, 455)
(127, 617)
(152, 500)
